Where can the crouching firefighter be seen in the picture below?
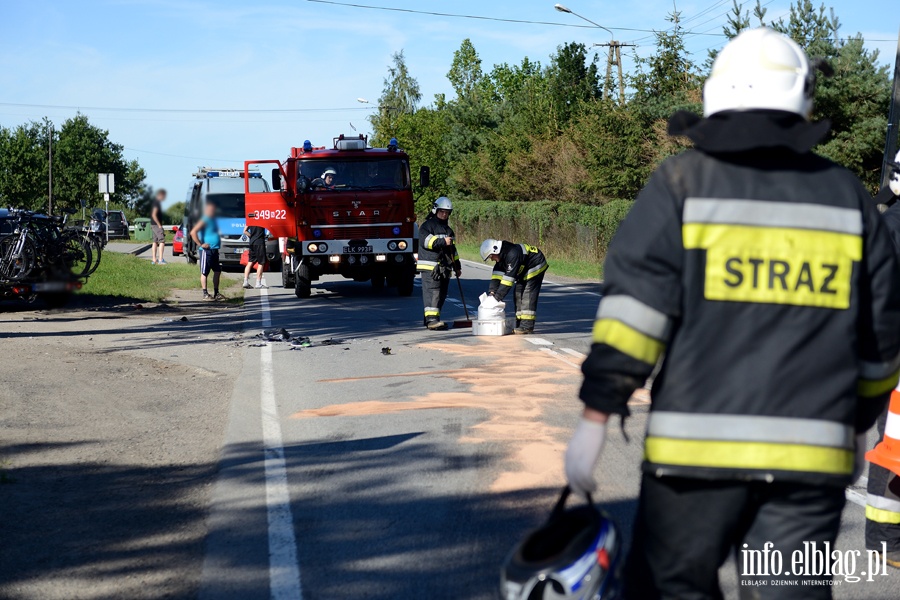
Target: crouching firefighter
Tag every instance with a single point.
(883, 488)
(438, 259)
(518, 265)
(766, 277)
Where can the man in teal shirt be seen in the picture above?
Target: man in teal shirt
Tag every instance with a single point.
(206, 235)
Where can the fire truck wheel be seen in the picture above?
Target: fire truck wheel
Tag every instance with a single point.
(378, 282)
(405, 285)
(286, 279)
(302, 283)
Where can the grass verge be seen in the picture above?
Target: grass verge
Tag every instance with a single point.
(128, 277)
(574, 269)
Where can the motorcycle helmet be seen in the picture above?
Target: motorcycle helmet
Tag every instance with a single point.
(576, 555)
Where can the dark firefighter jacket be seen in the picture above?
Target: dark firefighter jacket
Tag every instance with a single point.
(518, 263)
(765, 275)
(433, 247)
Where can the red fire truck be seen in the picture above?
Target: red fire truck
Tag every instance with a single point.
(347, 210)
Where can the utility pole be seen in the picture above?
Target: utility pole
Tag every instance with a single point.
(892, 142)
(50, 169)
(614, 58)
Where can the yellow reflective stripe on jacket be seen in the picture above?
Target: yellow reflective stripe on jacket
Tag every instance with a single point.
(775, 265)
(748, 455)
(627, 340)
(496, 275)
(879, 515)
(429, 241)
(882, 510)
(532, 273)
(868, 388)
(508, 281)
(425, 265)
(768, 213)
(635, 314)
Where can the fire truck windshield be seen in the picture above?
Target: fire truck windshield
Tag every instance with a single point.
(344, 174)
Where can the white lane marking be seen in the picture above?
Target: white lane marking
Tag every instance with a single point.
(284, 570)
(539, 341)
(560, 357)
(574, 353)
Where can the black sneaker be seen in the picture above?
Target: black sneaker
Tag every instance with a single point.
(207, 297)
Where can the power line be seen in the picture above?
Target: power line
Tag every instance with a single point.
(519, 21)
(477, 17)
(184, 110)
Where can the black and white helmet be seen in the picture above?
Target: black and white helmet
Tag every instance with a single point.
(576, 555)
(442, 203)
(894, 182)
(489, 247)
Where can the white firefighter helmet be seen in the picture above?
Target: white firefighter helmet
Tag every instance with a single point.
(442, 203)
(760, 69)
(329, 171)
(894, 182)
(489, 247)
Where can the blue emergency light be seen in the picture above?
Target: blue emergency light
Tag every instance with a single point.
(307, 146)
(392, 145)
(396, 230)
(212, 174)
(256, 175)
(317, 233)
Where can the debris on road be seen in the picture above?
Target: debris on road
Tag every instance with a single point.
(300, 342)
(171, 320)
(275, 335)
(386, 351)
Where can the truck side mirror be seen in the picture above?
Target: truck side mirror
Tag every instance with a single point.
(276, 179)
(424, 177)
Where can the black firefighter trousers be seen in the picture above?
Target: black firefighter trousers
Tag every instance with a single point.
(526, 297)
(434, 293)
(686, 528)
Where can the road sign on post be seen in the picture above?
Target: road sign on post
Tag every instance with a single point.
(107, 187)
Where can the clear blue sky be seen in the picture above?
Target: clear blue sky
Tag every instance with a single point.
(276, 54)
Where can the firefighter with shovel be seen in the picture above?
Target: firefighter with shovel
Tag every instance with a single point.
(438, 259)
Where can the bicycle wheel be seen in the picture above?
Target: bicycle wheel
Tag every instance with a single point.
(97, 251)
(16, 263)
(77, 256)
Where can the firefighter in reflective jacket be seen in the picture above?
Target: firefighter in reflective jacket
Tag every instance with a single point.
(520, 265)
(438, 258)
(883, 488)
(767, 277)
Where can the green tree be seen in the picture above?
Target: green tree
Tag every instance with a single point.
(572, 81)
(24, 165)
(175, 213)
(400, 96)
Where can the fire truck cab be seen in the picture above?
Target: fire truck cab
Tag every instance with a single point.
(346, 210)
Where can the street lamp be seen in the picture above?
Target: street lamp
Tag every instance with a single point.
(564, 9)
(363, 101)
(614, 56)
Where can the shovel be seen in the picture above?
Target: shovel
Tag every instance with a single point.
(468, 321)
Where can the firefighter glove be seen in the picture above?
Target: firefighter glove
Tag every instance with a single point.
(582, 455)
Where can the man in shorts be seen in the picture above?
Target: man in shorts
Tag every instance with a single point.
(206, 235)
(257, 238)
(158, 244)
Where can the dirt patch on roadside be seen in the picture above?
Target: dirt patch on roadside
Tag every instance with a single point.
(110, 428)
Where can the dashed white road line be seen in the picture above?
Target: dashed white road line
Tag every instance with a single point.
(284, 570)
(574, 353)
(539, 341)
(559, 357)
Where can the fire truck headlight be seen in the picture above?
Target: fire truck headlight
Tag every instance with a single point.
(313, 248)
(402, 245)
(335, 258)
(380, 258)
(392, 245)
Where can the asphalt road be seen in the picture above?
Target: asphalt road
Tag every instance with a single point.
(349, 473)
